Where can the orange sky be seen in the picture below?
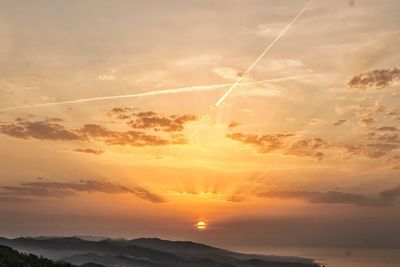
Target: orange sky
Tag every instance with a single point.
(311, 134)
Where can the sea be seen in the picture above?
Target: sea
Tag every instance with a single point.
(336, 257)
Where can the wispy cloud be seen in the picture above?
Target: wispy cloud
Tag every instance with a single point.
(40, 189)
(171, 91)
(89, 151)
(383, 199)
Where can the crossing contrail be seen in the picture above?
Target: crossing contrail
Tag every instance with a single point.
(197, 88)
(250, 68)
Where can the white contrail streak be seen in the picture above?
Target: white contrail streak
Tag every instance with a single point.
(188, 89)
(263, 54)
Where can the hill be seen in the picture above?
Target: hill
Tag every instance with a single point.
(12, 258)
(145, 252)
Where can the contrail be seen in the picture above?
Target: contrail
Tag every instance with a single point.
(197, 88)
(263, 54)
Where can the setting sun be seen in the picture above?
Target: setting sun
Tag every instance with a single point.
(201, 225)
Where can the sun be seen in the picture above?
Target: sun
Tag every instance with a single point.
(201, 225)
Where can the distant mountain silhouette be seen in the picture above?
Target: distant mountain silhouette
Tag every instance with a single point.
(145, 252)
(90, 264)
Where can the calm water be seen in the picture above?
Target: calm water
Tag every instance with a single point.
(339, 257)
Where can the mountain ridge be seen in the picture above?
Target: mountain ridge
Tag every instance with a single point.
(146, 252)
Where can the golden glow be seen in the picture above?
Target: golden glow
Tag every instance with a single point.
(201, 225)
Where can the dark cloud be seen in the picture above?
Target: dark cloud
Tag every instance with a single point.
(272, 142)
(233, 124)
(44, 130)
(235, 198)
(66, 189)
(149, 129)
(384, 199)
(131, 138)
(263, 143)
(36, 191)
(308, 148)
(94, 130)
(121, 113)
(384, 137)
(89, 151)
(367, 122)
(391, 193)
(372, 150)
(152, 120)
(387, 129)
(340, 122)
(138, 139)
(376, 78)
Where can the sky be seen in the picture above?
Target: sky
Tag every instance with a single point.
(304, 151)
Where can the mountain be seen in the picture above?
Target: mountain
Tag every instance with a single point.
(12, 258)
(90, 264)
(145, 252)
(201, 251)
(175, 246)
(58, 246)
(108, 260)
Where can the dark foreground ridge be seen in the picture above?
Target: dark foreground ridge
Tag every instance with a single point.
(142, 252)
(12, 258)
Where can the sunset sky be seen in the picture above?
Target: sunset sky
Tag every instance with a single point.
(304, 151)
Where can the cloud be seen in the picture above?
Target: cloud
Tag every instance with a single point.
(366, 122)
(383, 199)
(147, 129)
(308, 148)
(278, 142)
(89, 151)
(233, 124)
(391, 193)
(152, 120)
(173, 123)
(376, 78)
(263, 143)
(228, 73)
(387, 129)
(313, 121)
(340, 122)
(383, 137)
(67, 189)
(371, 150)
(131, 138)
(46, 129)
